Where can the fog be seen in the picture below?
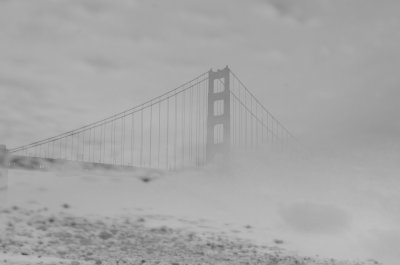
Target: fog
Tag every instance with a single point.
(326, 69)
(316, 207)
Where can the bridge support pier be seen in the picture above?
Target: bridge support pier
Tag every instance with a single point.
(3, 175)
(219, 118)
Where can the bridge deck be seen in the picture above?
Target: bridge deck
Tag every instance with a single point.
(38, 163)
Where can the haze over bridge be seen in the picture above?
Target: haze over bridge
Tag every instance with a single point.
(189, 126)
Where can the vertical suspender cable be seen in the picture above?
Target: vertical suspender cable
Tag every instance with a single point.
(205, 117)
(268, 133)
(111, 142)
(100, 144)
(90, 138)
(94, 144)
(123, 139)
(198, 125)
(65, 147)
(83, 145)
(232, 116)
(251, 124)
(159, 134)
(176, 130)
(191, 125)
(151, 127)
(132, 137)
(183, 129)
(246, 128)
(115, 141)
(167, 145)
(141, 138)
(72, 146)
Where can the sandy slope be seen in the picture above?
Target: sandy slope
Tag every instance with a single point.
(216, 213)
(42, 237)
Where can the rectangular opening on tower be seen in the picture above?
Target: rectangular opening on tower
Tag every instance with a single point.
(218, 107)
(219, 85)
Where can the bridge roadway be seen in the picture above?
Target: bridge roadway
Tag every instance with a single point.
(39, 163)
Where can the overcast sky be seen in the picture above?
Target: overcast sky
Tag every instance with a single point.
(327, 69)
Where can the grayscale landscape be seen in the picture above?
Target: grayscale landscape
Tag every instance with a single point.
(199, 132)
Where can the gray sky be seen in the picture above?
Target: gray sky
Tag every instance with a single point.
(327, 69)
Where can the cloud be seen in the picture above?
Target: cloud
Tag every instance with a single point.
(316, 218)
(304, 12)
(80, 46)
(100, 6)
(102, 63)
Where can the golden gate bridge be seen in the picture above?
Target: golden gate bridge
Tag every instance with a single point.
(209, 116)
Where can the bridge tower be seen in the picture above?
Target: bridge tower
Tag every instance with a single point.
(219, 116)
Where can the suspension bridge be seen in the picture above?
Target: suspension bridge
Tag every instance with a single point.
(189, 126)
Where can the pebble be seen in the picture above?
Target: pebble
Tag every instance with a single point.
(112, 241)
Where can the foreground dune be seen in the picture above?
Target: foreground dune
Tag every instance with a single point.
(42, 237)
(258, 216)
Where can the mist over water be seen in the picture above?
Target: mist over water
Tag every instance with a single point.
(335, 205)
(315, 202)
